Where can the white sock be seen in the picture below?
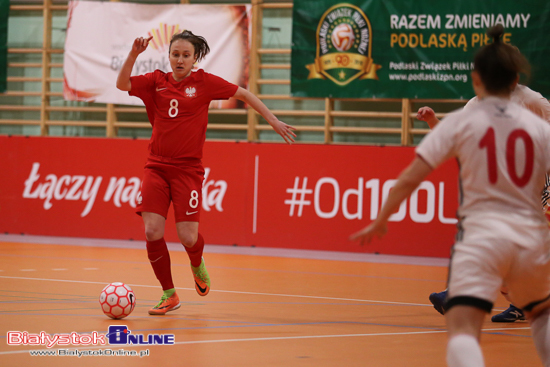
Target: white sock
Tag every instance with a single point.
(463, 351)
(541, 336)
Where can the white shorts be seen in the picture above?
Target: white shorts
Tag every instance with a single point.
(487, 257)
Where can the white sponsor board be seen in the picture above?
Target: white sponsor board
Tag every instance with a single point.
(100, 35)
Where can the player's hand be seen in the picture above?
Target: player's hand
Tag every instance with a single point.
(140, 44)
(428, 115)
(285, 130)
(425, 114)
(376, 228)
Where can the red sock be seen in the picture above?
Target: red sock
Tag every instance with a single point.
(157, 251)
(195, 252)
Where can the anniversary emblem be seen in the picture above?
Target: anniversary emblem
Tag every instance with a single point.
(344, 48)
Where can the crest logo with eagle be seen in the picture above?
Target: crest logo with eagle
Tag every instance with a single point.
(344, 46)
(190, 92)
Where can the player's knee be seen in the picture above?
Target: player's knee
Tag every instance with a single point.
(153, 233)
(187, 239)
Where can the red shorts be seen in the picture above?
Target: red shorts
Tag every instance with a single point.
(172, 180)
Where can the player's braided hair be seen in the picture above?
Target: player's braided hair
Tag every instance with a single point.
(498, 64)
(198, 42)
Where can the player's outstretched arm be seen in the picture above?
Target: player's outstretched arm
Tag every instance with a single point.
(123, 80)
(407, 182)
(428, 115)
(280, 127)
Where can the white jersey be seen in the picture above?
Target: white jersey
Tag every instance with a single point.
(536, 103)
(503, 151)
(526, 97)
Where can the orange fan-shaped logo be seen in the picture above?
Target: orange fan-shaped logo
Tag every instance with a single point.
(162, 36)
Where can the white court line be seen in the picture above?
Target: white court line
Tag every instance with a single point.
(274, 338)
(325, 336)
(321, 297)
(235, 292)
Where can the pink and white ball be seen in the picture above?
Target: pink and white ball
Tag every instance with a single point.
(343, 37)
(117, 300)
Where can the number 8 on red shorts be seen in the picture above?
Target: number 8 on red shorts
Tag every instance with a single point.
(181, 184)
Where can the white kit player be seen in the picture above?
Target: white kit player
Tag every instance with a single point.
(521, 95)
(503, 153)
(540, 106)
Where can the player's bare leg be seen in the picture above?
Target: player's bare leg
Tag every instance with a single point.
(539, 318)
(464, 327)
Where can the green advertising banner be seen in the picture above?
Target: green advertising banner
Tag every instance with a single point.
(4, 12)
(408, 49)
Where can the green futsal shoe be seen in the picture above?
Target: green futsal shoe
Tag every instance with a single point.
(202, 279)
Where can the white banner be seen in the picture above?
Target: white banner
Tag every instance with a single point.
(100, 35)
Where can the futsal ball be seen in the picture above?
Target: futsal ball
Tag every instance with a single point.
(117, 300)
(343, 37)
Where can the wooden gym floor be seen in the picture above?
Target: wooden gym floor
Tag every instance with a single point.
(266, 307)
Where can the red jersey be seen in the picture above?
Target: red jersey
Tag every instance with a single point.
(178, 111)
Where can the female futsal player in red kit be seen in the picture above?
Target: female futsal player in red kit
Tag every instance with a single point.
(177, 107)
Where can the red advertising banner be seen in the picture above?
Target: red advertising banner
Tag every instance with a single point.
(265, 195)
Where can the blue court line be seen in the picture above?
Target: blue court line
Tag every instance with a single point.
(249, 324)
(74, 259)
(26, 299)
(58, 300)
(27, 292)
(41, 311)
(252, 325)
(331, 274)
(257, 324)
(60, 297)
(502, 333)
(93, 299)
